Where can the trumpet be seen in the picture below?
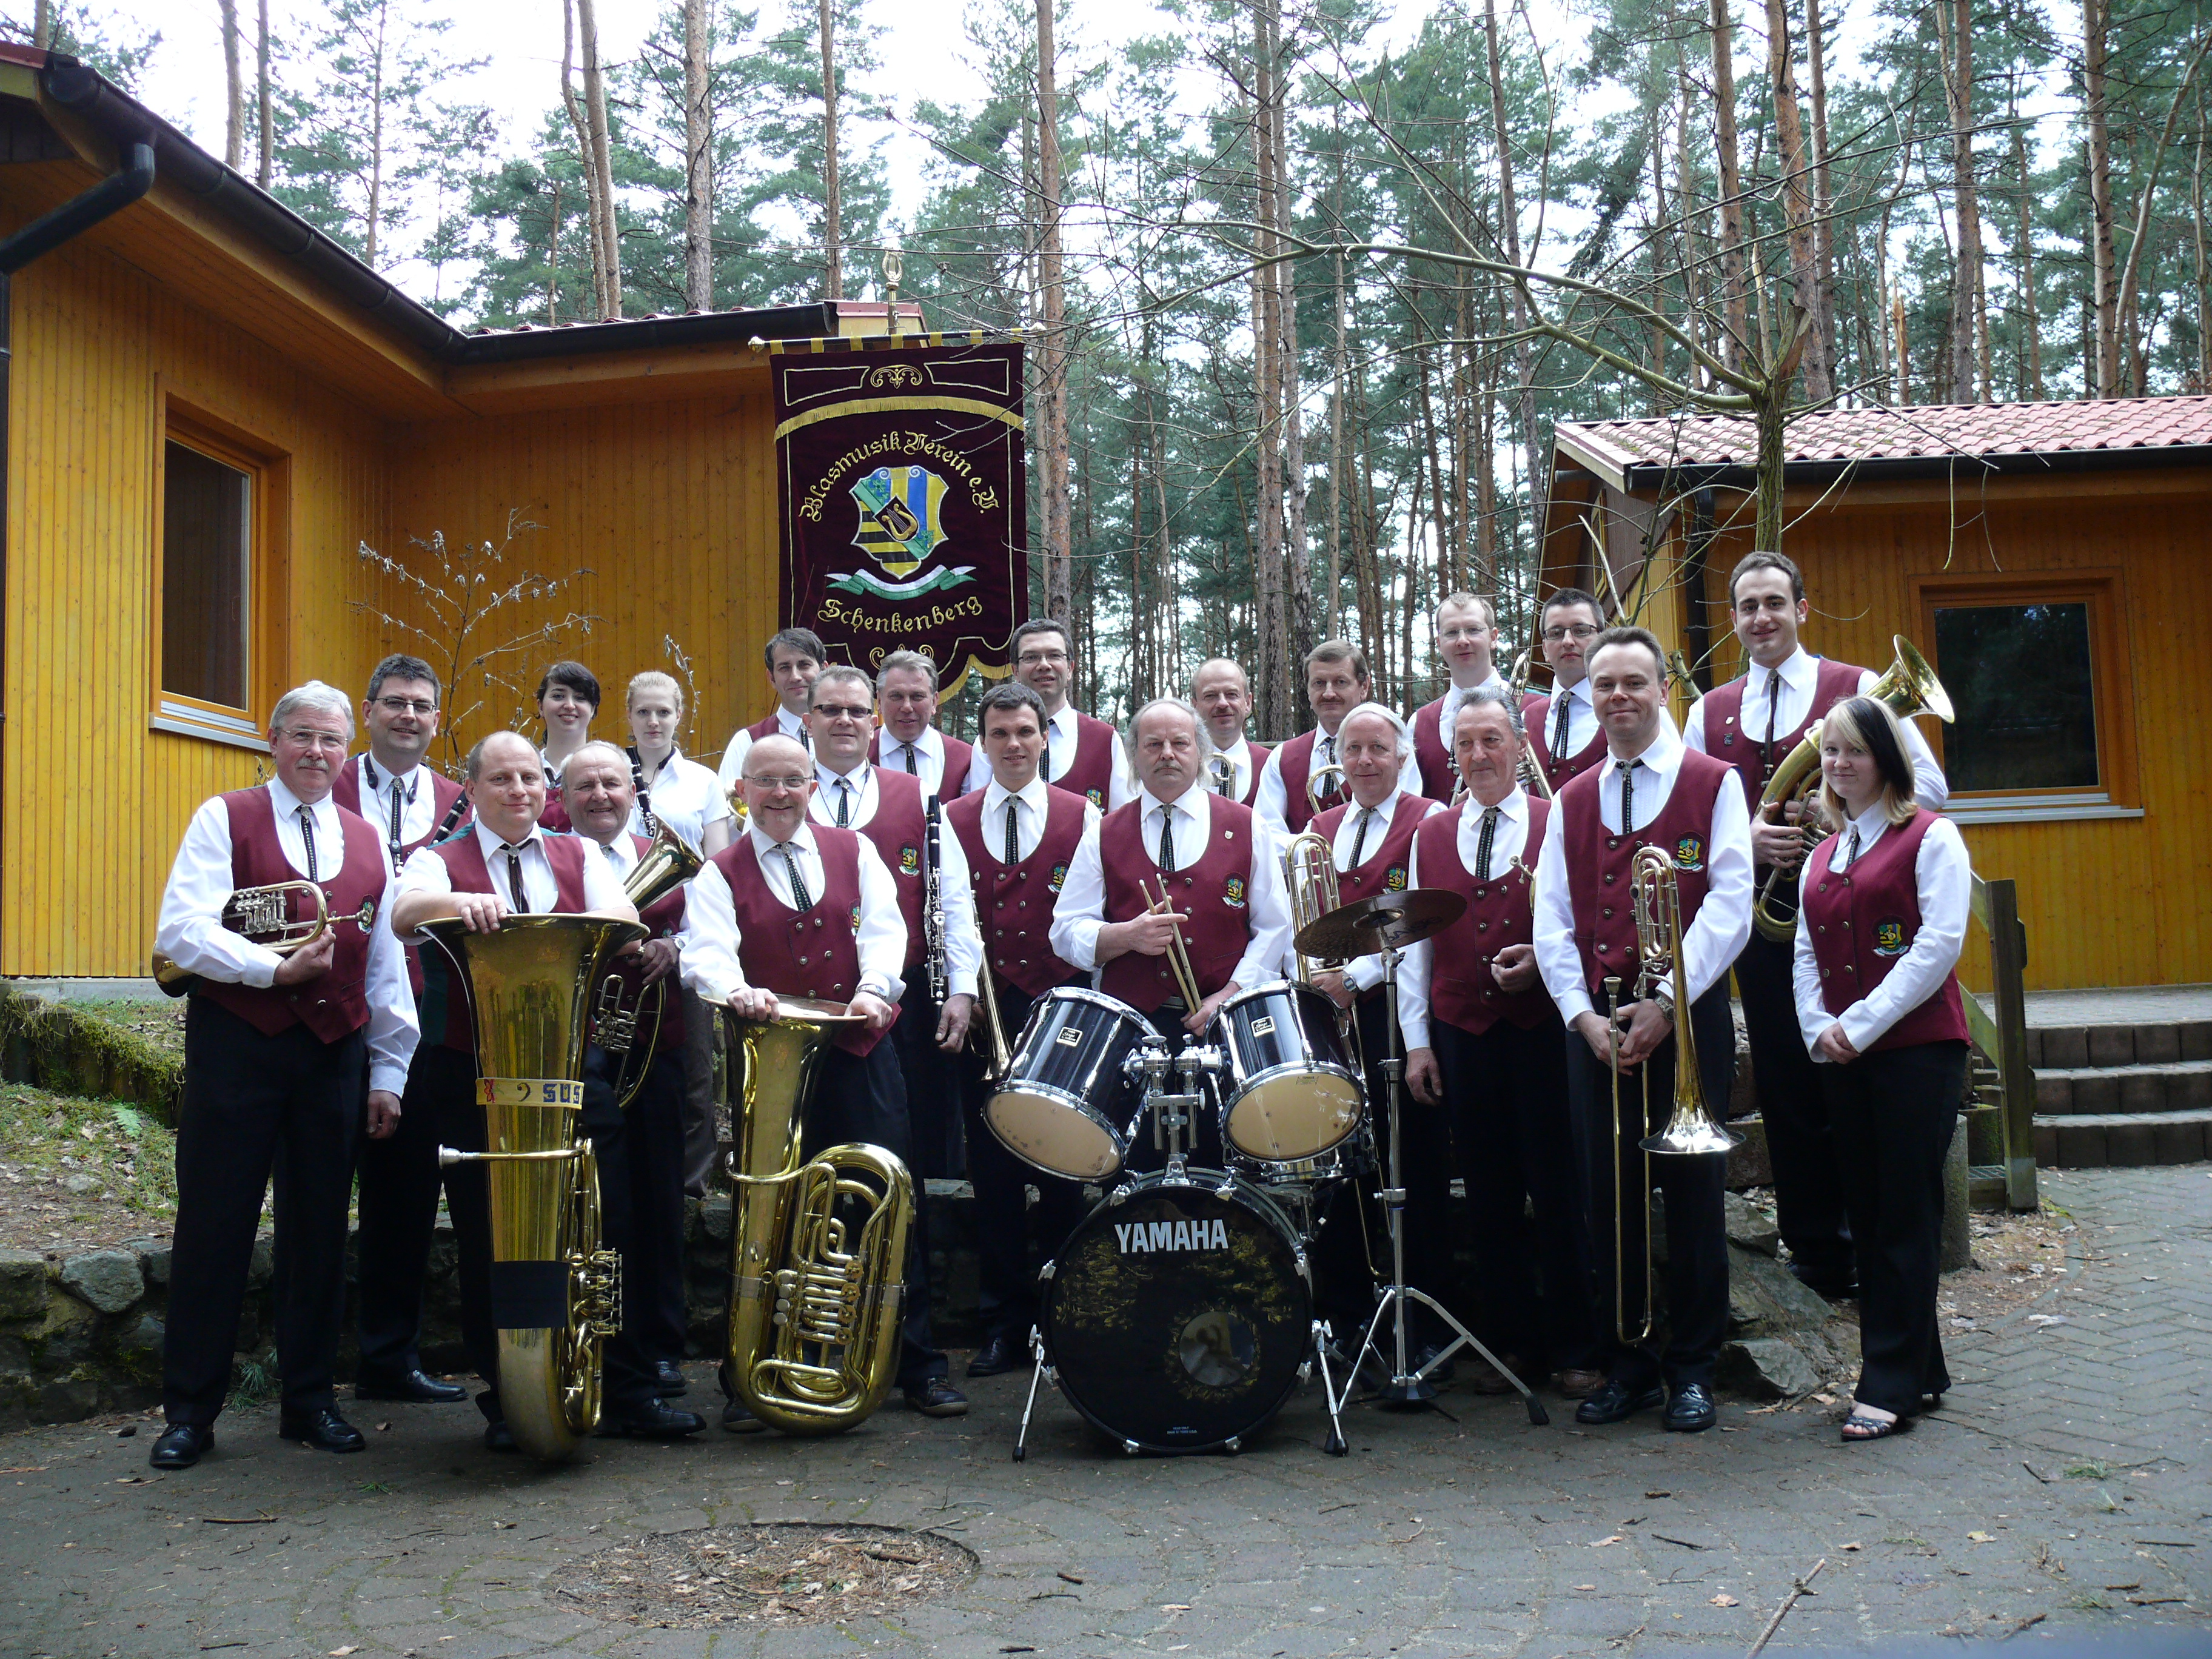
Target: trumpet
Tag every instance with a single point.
(1534, 778)
(1910, 688)
(992, 1036)
(1221, 772)
(263, 914)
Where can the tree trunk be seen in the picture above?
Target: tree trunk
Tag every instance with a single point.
(1333, 608)
(265, 170)
(1298, 563)
(42, 25)
(1823, 196)
(1052, 349)
(376, 136)
(1904, 351)
(2203, 264)
(1797, 179)
(1954, 28)
(833, 251)
(2031, 327)
(1276, 692)
(1524, 402)
(1769, 412)
(233, 132)
(698, 158)
(2104, 373)
(595, 108)
(1734, 306)
(587, 160)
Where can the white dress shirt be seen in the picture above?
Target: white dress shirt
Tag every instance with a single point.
(787, 725)
(709, 941)
(1454, 696)
(1944, 874)
(191, 932)
(1800, 678)
(1269, 803)
(686, 797)
(1240, 761)
(1029, 804)
(1365, 973)
(1081, 910)
(426, 872)
(1508, 843)
(415, 795)
(963, 942)
(928, 767)
(1712, 941)
(1060, 739)
(1582, 719)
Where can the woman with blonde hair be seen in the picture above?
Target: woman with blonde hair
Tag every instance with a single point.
(671, 789)
(1883, 914)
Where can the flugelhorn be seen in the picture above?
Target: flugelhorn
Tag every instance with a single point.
(615, 1021)
(818, 1248)
(1656, 891)
(263, 914)
(1911, 688)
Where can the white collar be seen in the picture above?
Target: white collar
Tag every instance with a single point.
(1036, 795)
(1065, 720)
(489, 839)
(922, 744)
(1183, 803)
(287, 804)
(388, 775)
(1514, 805)
(1387, 809)
(1798, 671)
(1236, 751)
(764, 843)
(1869, 823)
(1579, 688)
(789, 723)
(621, 849)
(858, 777)
(1659, 754)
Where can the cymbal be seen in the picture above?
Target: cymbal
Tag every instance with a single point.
(1388, 920)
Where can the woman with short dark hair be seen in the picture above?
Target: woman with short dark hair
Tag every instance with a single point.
(567, 701)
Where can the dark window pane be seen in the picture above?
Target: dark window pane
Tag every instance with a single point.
(206, 563)
(2020, 680)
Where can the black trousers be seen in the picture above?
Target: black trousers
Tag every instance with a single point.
(441, 1086)
(1809, 1190)
(1507, 1091)
(255, 1109)
(399, 1182)
(1695, 1274)
(640, 1158)
(1009, 1260)
(1895, 1111)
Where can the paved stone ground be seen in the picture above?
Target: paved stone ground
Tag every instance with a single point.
(2063, 1491)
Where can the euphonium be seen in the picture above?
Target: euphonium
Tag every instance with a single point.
(1910, 688)
(818, 1250)
(554, 1293)
(665, 866)
(1656, 890)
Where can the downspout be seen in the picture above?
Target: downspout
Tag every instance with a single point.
(131, 180)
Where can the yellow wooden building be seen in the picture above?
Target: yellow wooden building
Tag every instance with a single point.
(211, 408)
(2049, 559)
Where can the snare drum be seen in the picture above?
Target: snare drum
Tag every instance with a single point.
(1289, 1092)
(1065, 1106)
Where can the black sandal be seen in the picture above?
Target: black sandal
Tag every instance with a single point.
(1858, 1428)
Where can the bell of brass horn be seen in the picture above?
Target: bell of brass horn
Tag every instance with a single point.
(616, 1020)
(554, 1293)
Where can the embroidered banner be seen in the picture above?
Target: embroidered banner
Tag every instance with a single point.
(901, 477)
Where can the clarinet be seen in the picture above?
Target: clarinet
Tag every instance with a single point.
(933, 903)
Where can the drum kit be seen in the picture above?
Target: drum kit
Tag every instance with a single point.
(1181, 1312)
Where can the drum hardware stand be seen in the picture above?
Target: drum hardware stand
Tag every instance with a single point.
(1406, 1386)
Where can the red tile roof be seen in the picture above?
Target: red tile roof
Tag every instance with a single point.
(1924, 434)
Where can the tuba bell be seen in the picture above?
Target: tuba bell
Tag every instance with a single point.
(555, 1294)
(665, 866)
(818, 1248)
(1910, 688)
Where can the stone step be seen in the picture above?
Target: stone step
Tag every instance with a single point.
(2176, 1087)
(2161, 1042)
(2122, 1140)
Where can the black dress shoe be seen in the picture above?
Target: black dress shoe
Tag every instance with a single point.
(1616, 1402)
(182, 1445)
(937, 1397)
(322, 1428)
(498, 1436)
(996, 1358)
(652, 1419)
(668, 1379)
(415, 1385)
(738, 1418)
(1691, 1409)
(1827, 1283)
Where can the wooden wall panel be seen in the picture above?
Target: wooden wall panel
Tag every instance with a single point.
(95, 801)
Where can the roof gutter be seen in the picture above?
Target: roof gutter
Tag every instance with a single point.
(1681, 476)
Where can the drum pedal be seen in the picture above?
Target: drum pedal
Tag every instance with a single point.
(1334, 1443)
(1041, 1372)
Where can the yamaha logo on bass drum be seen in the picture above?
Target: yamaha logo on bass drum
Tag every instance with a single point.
(1145, 1237)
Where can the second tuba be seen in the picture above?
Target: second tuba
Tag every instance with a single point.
(818, 1248)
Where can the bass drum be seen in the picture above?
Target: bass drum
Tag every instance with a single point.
(1065, 1105)
(1176, 1315)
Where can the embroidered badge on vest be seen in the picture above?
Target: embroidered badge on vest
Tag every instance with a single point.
(365, 915)
(910, 860)
(1058, 877)
(1232, 891)
(1889, 937)
(1097, 798)
(1395, 878)
(856, 918)
(1690, 853)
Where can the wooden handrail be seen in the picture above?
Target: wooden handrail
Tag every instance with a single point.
(2000, 1032)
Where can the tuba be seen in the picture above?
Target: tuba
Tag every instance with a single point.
(556, 1295)
(818, 1250)
(1910, 688)
(667, 864)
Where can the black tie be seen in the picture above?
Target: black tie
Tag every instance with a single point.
(1167, 838)
(913, 765)
(514, 877)
(1044, 765)
(844, 804)
(1559, 729)
(799, 898)
(1013, 834)
(1851, 854)
(308, 834)
(1773, 713)
(1359, 837)
(1627, 770)
(1482, 846)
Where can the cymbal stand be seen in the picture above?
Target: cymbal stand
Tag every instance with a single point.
(1407, 1386)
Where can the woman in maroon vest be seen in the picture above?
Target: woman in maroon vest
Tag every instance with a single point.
(1883, 914)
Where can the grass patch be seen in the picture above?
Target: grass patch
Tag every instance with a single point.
(2091, 1470)
(46, 1139)
(111, 1050)
(161, 1024)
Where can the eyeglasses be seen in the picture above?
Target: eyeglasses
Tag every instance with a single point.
(301, 737)
(1037, 659)
(406, 706)
(793, 784)
(844, 711)
(1579, 631)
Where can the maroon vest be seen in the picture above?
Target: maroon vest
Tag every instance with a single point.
(813, 952)
(1016, 932)
(1749, 752)
(1598, 864)
(959, 757)
(336, 1003)
(447, 1017)
(444, 793)
(1092, 772)
(1296, 765)
(900, 829)
(1536, 721)
(663, 917)
(1215, 893)
(1439, 779)
(766, 727)
(1385, 860)
(1864, 919)
(1462, 991)
(1258, 753)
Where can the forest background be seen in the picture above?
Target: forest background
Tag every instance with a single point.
(1306, 285)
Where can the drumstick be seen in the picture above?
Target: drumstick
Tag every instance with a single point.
(1178, 952)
